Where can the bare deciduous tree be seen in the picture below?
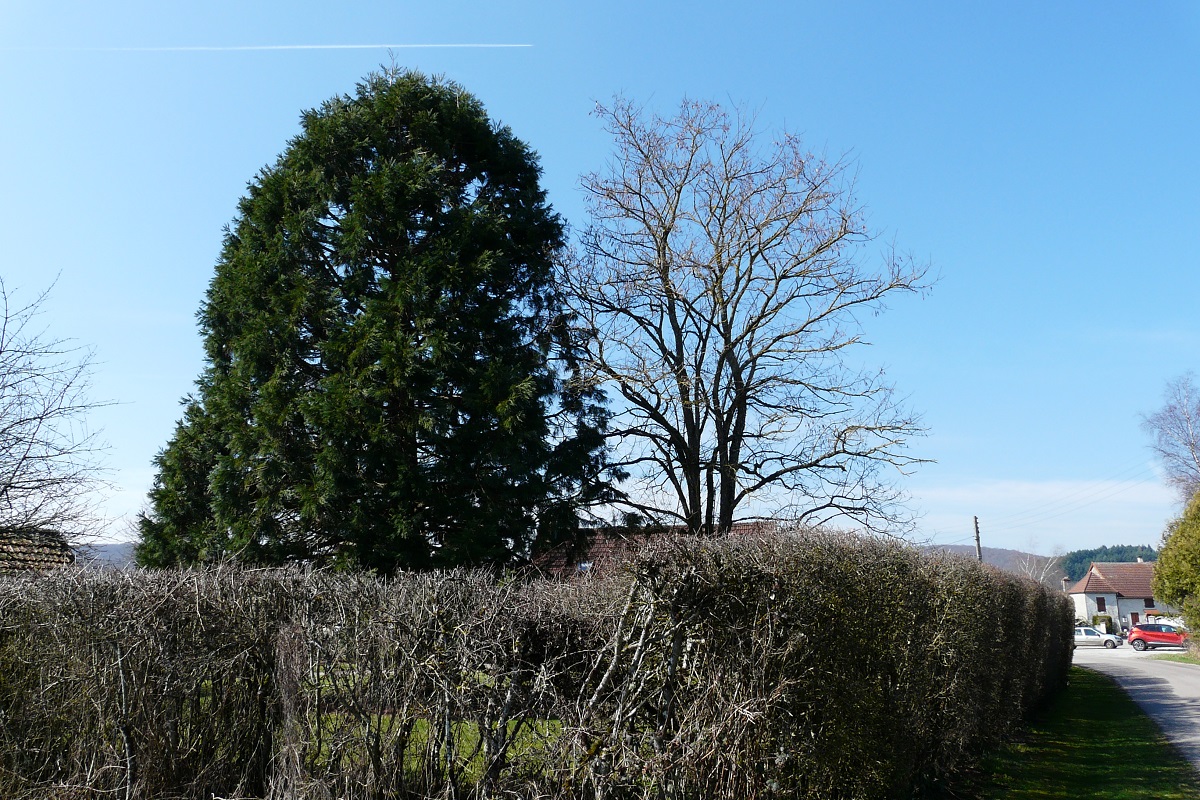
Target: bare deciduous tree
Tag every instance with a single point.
(1176, 432)
(722, 279)
(49, 458)
(1046, 570)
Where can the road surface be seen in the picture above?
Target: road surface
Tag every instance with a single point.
(1166, 690)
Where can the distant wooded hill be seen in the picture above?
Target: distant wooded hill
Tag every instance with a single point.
(1072, 565)
(119, 554)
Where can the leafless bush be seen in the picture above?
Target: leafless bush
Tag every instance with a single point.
(804, 666)
(150, 684)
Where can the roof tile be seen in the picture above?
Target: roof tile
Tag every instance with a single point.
(33, 551)
(1123, 578)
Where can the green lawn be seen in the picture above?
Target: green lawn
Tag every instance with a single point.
(1183, 658)
(1094, 742)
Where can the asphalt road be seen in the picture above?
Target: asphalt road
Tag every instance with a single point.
(1168, 691)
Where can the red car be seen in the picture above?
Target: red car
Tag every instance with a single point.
(1155, 635)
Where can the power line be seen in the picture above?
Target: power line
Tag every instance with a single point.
(1141, 473)
(934, 534)
(1035, 519)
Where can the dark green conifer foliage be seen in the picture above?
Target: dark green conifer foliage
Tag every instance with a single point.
(389, 371)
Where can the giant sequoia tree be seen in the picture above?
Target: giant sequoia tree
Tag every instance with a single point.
(389, 372)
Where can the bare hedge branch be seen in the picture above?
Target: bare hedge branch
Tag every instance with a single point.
(796, 666)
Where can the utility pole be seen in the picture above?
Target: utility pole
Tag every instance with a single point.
(978, 546)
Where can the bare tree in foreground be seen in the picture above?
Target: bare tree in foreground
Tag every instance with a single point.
(49, 467)
(1176, 431)
(723, 279)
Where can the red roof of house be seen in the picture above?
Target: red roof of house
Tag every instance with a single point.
(605, 549)
(1122, 578)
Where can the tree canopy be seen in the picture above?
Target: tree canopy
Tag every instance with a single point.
(1177, 572)
(723, 279)
(390, 379)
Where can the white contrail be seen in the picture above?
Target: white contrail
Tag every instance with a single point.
(248, 47)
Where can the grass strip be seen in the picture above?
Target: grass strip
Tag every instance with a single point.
(1182, 658)
(1093, 742)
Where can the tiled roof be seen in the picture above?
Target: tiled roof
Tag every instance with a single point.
(33, 551)
(606, 549)
(1092, 583)
(1131, 579)
(1124, 578)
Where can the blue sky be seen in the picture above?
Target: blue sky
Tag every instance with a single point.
(1041, 156)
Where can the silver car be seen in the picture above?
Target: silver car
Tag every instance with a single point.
(1091, 637)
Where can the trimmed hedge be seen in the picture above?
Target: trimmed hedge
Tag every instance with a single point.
(800, 666)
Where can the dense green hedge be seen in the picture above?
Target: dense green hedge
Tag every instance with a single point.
(800, 666)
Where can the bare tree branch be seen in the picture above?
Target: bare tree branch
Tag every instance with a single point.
(49, 458)
(1046, 570)
(722, 280)
(1176, 432)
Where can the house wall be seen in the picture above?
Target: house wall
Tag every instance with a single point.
(1081, 612)
(1137, 605)
(1131, 605)
(1085, 606)
(1119, 608)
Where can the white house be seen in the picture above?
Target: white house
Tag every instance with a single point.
(1119, 590)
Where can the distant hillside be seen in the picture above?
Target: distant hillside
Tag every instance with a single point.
(119, 554)
(1017, 562)
(1072, 565)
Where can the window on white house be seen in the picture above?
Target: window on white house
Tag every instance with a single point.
(1100, 604)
